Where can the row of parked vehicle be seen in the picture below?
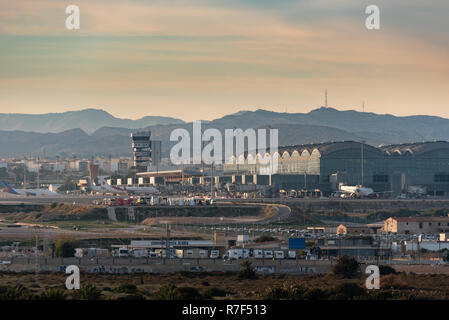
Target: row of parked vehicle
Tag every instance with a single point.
(236, 254)
(156, 201)
(195, 253)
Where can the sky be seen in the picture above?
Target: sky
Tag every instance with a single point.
(202, 59)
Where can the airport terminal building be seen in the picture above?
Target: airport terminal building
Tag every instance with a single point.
(395, 168)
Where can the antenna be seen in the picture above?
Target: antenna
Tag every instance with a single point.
(325, 97)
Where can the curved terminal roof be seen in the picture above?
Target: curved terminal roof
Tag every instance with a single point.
(415, 148)
(328, 147)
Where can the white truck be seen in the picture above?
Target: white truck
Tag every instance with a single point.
(291, 254)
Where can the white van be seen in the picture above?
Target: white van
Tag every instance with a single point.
(214, 254)
(258, 254)
(123, 252)
(279, 254)
(291, 254)
(268, 254)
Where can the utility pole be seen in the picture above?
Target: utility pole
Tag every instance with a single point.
(38, 170)
(24, 175)
(362, 160)
(211, 179)
(167, 244)
(36, 258)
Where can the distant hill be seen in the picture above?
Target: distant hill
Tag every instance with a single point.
(319, 125)
(88, 120)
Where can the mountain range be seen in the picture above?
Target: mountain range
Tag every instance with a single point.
(92, 132)
(88, 120)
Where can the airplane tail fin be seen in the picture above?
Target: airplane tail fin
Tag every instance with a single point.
(9, 189)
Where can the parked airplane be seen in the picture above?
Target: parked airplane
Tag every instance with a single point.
(104, 186)
(356, 191)
(28, 192)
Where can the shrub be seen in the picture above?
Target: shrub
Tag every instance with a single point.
(247, 271)
(136, 296)
(392, 281)
(214, 292)
(53, 294)
(126, 288)
(171, 292)
(17, 292)
(167, 292)
(384, 270)
(87, 292)
(276, 293)
(314, 294)
(264, 239)
(346, 267)
(189, 293)
(347, 291)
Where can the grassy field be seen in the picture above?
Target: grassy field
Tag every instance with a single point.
(228, 286)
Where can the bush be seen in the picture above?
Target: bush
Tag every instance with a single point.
(17, 292)
(347, 291)
(136, 296)
(247, 271)
(171, 292)
(189, 293)
(384, 270)
(65, 248)
(167, 292)
(276, 293)
(126, 288)
(314, 294)
(346, 266)
(214, 292)
(87, 292)
(264, 239)
(392, 281)
(53, 294)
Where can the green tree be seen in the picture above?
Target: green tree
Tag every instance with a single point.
(65, 248)
(346, 266)
(68, 185)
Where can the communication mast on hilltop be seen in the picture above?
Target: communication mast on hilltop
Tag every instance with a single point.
(325, 97)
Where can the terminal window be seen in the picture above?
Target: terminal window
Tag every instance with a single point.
(380, 178)
(441, 177)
